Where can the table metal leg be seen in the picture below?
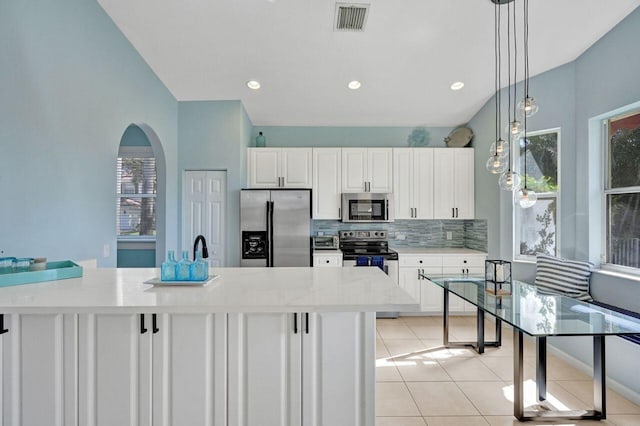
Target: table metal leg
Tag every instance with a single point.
(541, 367)
(480, 343)
(480, 330)
(599, 386)
(599, 377)
(518, 375)
(445, 318)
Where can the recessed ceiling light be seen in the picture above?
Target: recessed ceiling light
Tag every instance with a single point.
(457, 85)
(253, 84)
(354, 85)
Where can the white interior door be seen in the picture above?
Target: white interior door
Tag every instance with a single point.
(204, 195)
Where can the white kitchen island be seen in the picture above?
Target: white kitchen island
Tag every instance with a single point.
(257, 346)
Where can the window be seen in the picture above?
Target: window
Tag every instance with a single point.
(622, 191)
(536, 228)
(136, 193)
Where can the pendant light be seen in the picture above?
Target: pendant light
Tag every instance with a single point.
(510, 180)
(526, 197)
(497, 162)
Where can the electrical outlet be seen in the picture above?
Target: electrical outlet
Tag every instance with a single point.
(449, 235)
(400, 237)
(105, 250)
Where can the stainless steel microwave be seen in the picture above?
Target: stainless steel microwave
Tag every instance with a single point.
(367, 207)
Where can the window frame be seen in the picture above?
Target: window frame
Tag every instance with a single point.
(136, 152)
(605, 191)
(517, 257)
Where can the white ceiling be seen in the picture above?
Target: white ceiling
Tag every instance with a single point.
(407, 57)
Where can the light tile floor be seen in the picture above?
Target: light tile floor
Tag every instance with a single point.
(421, 383)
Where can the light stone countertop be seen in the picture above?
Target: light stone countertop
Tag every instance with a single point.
(431, 250)
(111, 290)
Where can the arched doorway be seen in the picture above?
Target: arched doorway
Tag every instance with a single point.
(140, 198)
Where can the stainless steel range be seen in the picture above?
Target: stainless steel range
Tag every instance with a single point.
(370, 248)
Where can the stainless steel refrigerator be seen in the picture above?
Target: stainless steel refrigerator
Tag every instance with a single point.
(275, 227)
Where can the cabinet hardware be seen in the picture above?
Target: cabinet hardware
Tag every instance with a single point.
(306, 322)
(327, 261)
(339, 213)
(456, 212)
(295, 323)
(143, 329)
(154, 323)
(2, 329)
(453, 212)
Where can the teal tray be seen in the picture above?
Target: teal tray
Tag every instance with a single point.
(54, 271)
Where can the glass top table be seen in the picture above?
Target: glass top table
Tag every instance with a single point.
(539, 314)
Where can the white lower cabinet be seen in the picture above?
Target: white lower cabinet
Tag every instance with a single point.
(164, 373)
(430, 295)
(301, 369)
(327, 259)
(38, 374)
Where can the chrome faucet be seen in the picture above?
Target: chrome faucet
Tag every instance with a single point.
(205, 252)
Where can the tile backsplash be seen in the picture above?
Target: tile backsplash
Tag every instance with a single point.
(419, 233)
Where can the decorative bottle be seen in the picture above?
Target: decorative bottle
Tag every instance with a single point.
(199, 268)
(168, 267)
(261, 141)
(184, 267)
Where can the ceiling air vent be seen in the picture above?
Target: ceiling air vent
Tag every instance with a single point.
(351, 17)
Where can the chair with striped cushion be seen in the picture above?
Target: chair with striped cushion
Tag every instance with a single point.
(562, 276)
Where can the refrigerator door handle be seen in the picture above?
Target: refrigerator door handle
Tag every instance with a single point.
(270, 237)
(268, 242)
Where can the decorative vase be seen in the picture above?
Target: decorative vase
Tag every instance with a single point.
(261, 141)
(168, 268)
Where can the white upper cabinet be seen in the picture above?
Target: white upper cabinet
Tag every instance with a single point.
(279, 167)
(413, 183)
(327, 182)
(453, 183)
(367, 169)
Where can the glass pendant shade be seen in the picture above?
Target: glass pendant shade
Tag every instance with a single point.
(515, 130)
(496, 164)
(509, 181)
(526, 198)
(500, 148)
(528, 106)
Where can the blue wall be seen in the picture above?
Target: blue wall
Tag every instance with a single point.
(134, 136)
(71, 84)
